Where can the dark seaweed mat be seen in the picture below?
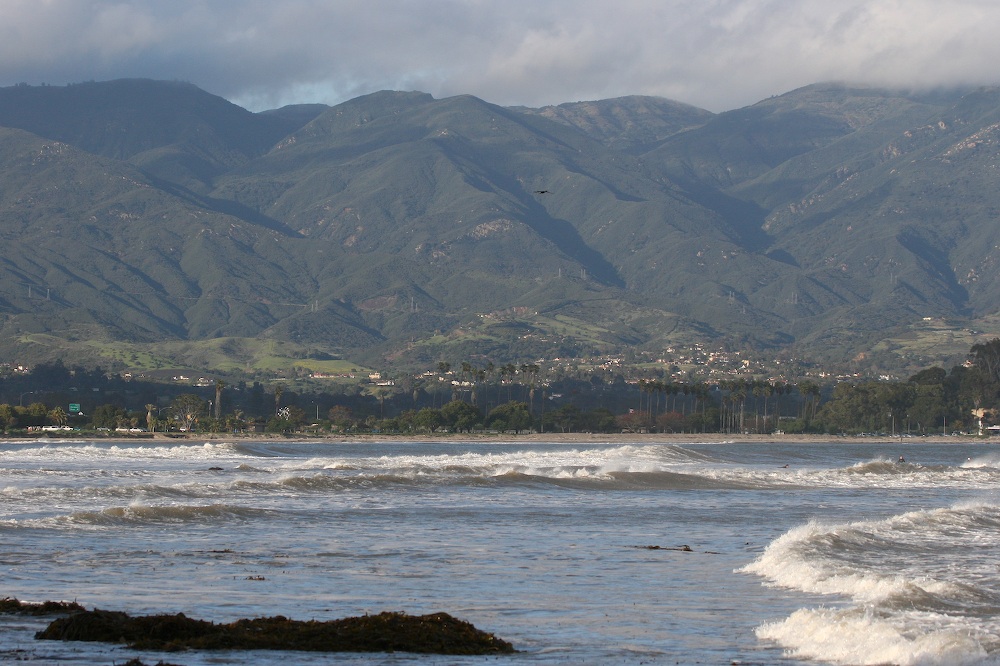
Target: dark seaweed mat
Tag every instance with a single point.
(10, 605)
(438, 633)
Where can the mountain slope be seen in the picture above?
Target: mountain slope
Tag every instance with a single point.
(424, 189)
(925, 198)
(399, 226)
(633, 124)
(172, 130)
(94, 248)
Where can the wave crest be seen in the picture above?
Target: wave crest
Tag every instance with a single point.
(856, 636)
(150, 515)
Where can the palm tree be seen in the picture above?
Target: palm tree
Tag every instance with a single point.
(480, 376)
(757, 388)
(58, 416)
(235, 421)
(649, 387)
(278, 390)
(489, 370)
(810, 391)
(769, 390)
(510, 370)
(150, 419)
(219, 385)
(381, 393)
(741, 394)
(779, 390)
(468, 371)
(531, 369)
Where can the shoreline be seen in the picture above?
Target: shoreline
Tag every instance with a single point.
(554, 438)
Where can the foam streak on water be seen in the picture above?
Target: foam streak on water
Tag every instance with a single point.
(575, 553)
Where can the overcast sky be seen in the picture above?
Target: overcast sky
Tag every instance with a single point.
(717, 54)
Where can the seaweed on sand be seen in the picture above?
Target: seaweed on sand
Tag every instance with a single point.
(438, 633)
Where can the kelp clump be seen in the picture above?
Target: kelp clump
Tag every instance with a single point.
(11, 605)
(438, 633)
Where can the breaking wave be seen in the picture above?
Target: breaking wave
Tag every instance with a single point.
(917, 588)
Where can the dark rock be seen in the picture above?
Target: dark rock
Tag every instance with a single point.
(438, 633)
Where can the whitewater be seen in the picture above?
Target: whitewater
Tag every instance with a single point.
(597, 553)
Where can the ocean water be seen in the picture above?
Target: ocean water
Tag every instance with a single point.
(603, 553)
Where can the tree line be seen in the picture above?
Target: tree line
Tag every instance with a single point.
(933, 401)
(524, 398)
(191, 413)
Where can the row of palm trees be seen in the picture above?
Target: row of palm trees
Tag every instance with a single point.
(732, 401)
(767, 398)
(471, 378)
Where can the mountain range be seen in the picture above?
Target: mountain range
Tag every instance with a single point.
(833, 223)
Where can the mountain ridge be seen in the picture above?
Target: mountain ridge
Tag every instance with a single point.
(400, 226)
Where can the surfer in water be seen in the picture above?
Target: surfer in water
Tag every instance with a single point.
(902, 459)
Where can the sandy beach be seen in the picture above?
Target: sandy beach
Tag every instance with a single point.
(569, 438)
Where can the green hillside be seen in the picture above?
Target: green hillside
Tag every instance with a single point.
(829, 223)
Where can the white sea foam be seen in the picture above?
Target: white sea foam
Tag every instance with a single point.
(864, 637)
(919, 588)
(878, 473)
(598, 463)
(871, 561)
(119, 450)
(794, 561)
(986, 460)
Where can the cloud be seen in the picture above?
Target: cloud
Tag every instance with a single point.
(718, 54)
